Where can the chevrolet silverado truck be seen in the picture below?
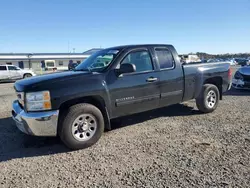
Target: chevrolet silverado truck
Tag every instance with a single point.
(78, 105)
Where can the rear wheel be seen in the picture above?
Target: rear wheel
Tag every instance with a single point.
(27, 75)
(208, 99)
(82, 126)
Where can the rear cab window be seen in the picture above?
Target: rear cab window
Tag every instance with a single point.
(3, 68)
(165, 58)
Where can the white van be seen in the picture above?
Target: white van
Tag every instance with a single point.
(50, 65)
(12, 72)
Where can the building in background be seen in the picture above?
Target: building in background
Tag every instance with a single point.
(47, 61)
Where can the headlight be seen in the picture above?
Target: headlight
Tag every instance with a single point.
(238, 76)
(38, 101)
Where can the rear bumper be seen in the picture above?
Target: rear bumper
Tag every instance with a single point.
(35, 123)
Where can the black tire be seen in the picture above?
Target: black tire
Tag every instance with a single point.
(75, 111)
(27, 75)
(202, 101)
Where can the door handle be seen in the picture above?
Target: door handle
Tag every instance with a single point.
(152, 79)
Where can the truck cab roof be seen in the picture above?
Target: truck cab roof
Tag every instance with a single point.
(138, 45)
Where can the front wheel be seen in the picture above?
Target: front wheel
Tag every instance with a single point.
(208, 99)
(82, 126)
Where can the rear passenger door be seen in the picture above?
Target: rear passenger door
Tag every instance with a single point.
(138, 91)
(171, 77)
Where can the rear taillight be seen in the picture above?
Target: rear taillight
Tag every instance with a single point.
(230, 73)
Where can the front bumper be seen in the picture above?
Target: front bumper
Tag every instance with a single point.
(35, 123)
(240, 84)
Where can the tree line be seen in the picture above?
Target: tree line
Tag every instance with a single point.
(203, 55)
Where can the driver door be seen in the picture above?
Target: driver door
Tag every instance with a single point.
(137, 91)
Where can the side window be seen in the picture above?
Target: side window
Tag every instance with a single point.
(165, 58)
(141, 60)
(12, 68)
(3, 68)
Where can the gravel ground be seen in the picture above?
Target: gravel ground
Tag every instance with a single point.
(171, 147)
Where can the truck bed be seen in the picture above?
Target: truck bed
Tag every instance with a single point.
(196, 73)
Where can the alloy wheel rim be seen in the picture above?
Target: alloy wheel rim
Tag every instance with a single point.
(84, 127)
(211, 99)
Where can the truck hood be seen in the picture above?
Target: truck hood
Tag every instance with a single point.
(34, 82)
(245, 70)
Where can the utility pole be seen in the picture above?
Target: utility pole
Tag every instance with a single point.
(29, 55)
(68, 46)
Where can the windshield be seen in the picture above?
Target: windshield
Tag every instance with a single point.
(50, 64)
(98, 61)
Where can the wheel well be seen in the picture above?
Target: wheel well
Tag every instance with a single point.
(217, 81)
(26, 74)
(94, 100)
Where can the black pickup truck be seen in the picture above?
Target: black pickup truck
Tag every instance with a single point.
(78, 105)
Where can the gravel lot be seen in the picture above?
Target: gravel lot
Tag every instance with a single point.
(171, 147)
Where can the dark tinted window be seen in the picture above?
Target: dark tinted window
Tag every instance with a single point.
(2, 68)
(141, 59)
(12, 68)
(165, 58)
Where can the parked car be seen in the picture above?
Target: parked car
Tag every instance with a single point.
(78, 105)
(241, 61)
(12, 72)
(232, 62)
(241, 79)
(212, 60)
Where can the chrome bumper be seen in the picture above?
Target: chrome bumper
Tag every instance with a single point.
(35, 123)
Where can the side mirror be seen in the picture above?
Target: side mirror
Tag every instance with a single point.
(126, 68)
